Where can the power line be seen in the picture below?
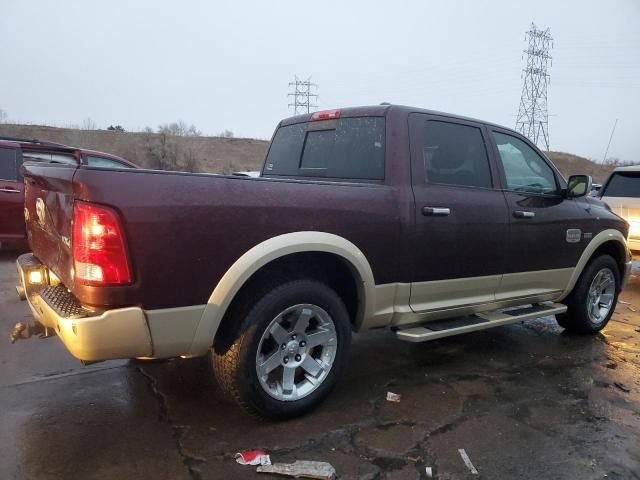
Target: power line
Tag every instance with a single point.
(302, 95)
(533, 118)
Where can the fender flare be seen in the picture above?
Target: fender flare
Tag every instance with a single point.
(597, 241)
(269, 250)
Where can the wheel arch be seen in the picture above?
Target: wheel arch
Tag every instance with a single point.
(610, 242)
(283, 251)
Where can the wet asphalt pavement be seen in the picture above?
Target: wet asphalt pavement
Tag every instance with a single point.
(525, 402)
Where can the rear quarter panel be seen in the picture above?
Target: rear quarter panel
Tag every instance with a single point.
(185, 230)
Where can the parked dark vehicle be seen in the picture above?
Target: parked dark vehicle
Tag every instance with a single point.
(16, 151)
(427, 223)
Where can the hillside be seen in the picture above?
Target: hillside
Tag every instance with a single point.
(570, 164)
(215, 154)
(209, 154)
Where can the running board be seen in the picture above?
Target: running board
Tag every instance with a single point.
(479, 321)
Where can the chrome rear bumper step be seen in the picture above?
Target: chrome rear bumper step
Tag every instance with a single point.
(480, 321)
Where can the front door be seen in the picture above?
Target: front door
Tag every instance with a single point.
(461, 221)
(545, 235)
(12, 226)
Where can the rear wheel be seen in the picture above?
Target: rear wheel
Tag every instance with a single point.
(594, 297)
(288, 352)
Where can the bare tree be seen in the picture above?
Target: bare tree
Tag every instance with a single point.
(190, 161)
(179, 129)
(88, 124)
(226, 134)
(163, 150)
(192, 131)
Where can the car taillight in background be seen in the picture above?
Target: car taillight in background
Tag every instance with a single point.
(99, 254)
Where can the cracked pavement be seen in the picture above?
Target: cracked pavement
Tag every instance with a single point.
(525, 401)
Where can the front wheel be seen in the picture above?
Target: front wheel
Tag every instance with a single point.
(594, 297)
(288, 352)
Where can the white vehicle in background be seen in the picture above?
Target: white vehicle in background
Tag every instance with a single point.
(621, 192)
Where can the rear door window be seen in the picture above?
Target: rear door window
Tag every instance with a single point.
(348, 148)
(455, 154)
(8, 164)
(623, 184)
(52, 157)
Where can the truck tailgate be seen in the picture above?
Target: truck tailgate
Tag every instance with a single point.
(49, 200)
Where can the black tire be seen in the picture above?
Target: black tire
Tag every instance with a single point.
(577, 318)
(235, 359)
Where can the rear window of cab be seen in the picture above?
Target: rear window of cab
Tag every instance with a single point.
(346, 148)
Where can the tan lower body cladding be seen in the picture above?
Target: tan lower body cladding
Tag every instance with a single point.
(404, 303)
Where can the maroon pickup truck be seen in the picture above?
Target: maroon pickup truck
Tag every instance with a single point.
(426, 223)
(15, 151)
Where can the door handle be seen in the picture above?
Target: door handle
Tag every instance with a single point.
(436, 211)
(9, 190)
(523, 214)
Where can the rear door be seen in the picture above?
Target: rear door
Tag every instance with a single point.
(12, 227)
(546, 229)
(461, 217)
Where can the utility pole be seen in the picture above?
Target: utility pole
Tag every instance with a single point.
(302, 95)
(533, 118)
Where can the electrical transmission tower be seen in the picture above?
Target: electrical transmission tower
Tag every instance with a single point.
(302, 96)
(533, 118)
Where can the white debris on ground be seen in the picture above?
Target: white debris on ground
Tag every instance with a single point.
(393, 397)
(467, 461)
(301, 469)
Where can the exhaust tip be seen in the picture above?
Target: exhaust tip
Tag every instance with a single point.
(21, 293)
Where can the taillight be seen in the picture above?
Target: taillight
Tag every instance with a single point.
(99, 254)
(326, 115)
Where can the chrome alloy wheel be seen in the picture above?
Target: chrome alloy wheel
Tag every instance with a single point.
(296, 352)
(600, 297)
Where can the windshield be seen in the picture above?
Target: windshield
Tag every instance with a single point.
(623, 184)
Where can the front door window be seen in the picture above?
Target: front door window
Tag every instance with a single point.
(524, 169)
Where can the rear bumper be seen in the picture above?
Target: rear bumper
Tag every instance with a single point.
(88, 335)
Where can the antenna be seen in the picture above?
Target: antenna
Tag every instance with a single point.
(604, 160)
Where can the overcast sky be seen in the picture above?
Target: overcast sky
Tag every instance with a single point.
(226, 65)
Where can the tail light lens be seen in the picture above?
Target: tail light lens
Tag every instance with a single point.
(325, 115)
(99, 254)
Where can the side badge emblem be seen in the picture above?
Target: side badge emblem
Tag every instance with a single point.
(574, 235)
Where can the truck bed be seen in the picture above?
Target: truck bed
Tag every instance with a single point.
(184, 230)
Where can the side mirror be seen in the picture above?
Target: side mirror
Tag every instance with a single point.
(578, 186)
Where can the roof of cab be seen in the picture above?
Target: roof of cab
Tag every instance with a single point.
(383, 109)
